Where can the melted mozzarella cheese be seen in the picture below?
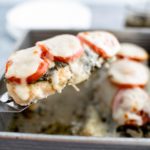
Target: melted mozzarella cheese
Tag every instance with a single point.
(55, 80)
(81, 68)
(24, 63)
(131, 101)
(63, 45)
(103, 40)
(22, 91)
(129, 72)
(60, 78)
(133, 51)
(79, 72)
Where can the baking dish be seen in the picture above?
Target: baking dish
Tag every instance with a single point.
(39, 141)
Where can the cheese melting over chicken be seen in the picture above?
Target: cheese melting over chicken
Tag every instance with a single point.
(133, 51)
(103, 40)
(128, 72)
(63, 45)
(24, 63)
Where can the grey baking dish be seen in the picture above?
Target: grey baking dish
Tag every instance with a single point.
(24, 141)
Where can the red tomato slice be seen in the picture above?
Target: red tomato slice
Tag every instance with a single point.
(70, 58)
(127, 74)
(45, 53)
(127, 85)
(131, 58)
(15, 80)
(62, 59)
(133, 52)
(64, 48)
(103, 43)
(42, 69)
(94, 47)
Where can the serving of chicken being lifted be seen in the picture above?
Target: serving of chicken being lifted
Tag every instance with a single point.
(48, 67)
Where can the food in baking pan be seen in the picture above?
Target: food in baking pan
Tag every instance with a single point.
(63, 48)
(127, 73)
(114, 101)
(124, 92)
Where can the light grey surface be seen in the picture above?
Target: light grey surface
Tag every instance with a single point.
(44, 142)
(108, 17)
(6, 42)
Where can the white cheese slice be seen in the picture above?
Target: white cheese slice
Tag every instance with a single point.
(103, 40)
(24, 63)
(63, 45)
(133, 51)
(128, 72)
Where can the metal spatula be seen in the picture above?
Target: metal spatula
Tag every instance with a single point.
(7, 104)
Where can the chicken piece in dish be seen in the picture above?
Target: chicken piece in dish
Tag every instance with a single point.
(51, 65)
(131, 107)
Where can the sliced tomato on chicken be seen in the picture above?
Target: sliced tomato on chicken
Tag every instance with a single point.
(131, 107)
(45, 55)
(26, 66)
(103, 43)
(64, 48)
(126, 73)
(14, 79)
(42, 69)
(133, 52)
